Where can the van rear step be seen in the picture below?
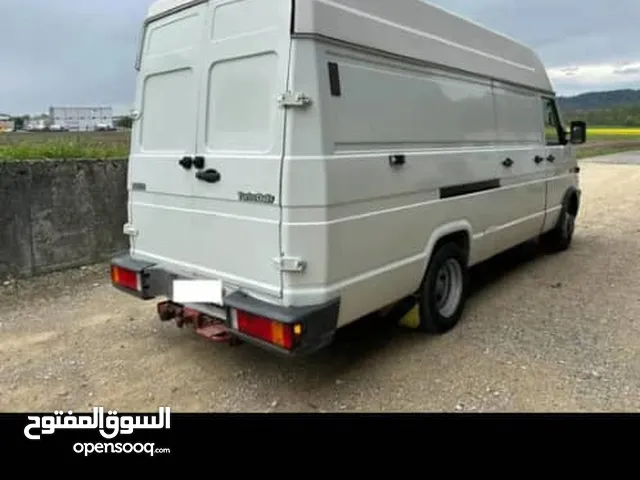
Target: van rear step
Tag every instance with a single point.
(210, 328)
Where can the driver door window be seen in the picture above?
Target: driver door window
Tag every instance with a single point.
(553, 131)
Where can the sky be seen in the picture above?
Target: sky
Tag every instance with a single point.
(82, 52)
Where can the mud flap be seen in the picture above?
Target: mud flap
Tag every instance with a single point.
(405, 313)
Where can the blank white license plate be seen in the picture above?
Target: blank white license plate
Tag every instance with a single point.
(197, 291)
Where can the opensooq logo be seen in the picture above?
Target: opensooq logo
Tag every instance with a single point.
(110, 426)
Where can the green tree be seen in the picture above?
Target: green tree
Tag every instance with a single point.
(20, 122)
(124, 122)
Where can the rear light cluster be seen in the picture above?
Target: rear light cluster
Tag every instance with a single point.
(276, 333)
(126, 278)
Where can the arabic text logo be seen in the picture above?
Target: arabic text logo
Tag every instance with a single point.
(110, 426)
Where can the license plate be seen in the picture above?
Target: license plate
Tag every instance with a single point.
(197, 291)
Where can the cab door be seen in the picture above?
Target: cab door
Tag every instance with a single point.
(559, 161)
(523, 178)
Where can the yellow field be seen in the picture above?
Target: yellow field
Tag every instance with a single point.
(614, 131)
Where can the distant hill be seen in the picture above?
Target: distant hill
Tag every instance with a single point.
(600, 100)
(610, 108)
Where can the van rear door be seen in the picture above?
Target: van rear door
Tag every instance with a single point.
(210, 77)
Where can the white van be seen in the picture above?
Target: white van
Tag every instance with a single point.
(299, 164)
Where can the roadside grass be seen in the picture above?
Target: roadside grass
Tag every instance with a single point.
(62, 149)
(37, 146)
(13, 138)
(605, 150)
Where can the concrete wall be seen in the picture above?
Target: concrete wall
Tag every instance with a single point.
(60, 214)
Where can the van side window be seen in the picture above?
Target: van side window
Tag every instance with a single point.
(553, 130)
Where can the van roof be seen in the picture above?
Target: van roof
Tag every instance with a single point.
(414, 29)
(161, 6)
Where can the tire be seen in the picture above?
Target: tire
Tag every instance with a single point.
(444, 290)
(559, 239)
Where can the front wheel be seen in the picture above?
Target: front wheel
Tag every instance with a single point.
(559, 239)
(444, 291)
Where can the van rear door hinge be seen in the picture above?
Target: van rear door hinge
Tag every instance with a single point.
(291, 99)
(129, 230)
(290, 264)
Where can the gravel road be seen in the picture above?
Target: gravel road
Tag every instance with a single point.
(541, 333)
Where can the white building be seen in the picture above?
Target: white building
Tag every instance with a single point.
(82, 119)
(38, 123)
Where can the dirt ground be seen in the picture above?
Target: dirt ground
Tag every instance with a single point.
(541, 333)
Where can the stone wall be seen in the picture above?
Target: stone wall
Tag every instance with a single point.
(60, 214)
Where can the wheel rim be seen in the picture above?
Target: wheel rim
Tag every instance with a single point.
(448, 288)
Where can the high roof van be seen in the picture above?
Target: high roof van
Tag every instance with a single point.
(297, 165)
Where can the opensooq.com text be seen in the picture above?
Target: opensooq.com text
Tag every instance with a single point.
(114, 448)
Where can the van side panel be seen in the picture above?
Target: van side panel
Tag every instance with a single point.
(362, 225)
(418, 30)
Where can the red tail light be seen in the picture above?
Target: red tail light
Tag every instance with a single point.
(125, 278)
(277, 333)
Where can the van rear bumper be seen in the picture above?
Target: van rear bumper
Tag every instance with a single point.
(319, 321)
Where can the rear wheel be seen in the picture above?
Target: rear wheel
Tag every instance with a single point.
(444, 290)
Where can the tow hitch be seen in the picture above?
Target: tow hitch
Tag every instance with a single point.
(208, 327)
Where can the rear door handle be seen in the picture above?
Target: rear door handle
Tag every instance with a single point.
(209, 176)
(508, 163)
(538, 159)
(551, 158)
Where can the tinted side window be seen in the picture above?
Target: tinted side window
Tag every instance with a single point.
(553, 130)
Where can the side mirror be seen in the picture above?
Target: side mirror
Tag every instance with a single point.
(578, 133)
